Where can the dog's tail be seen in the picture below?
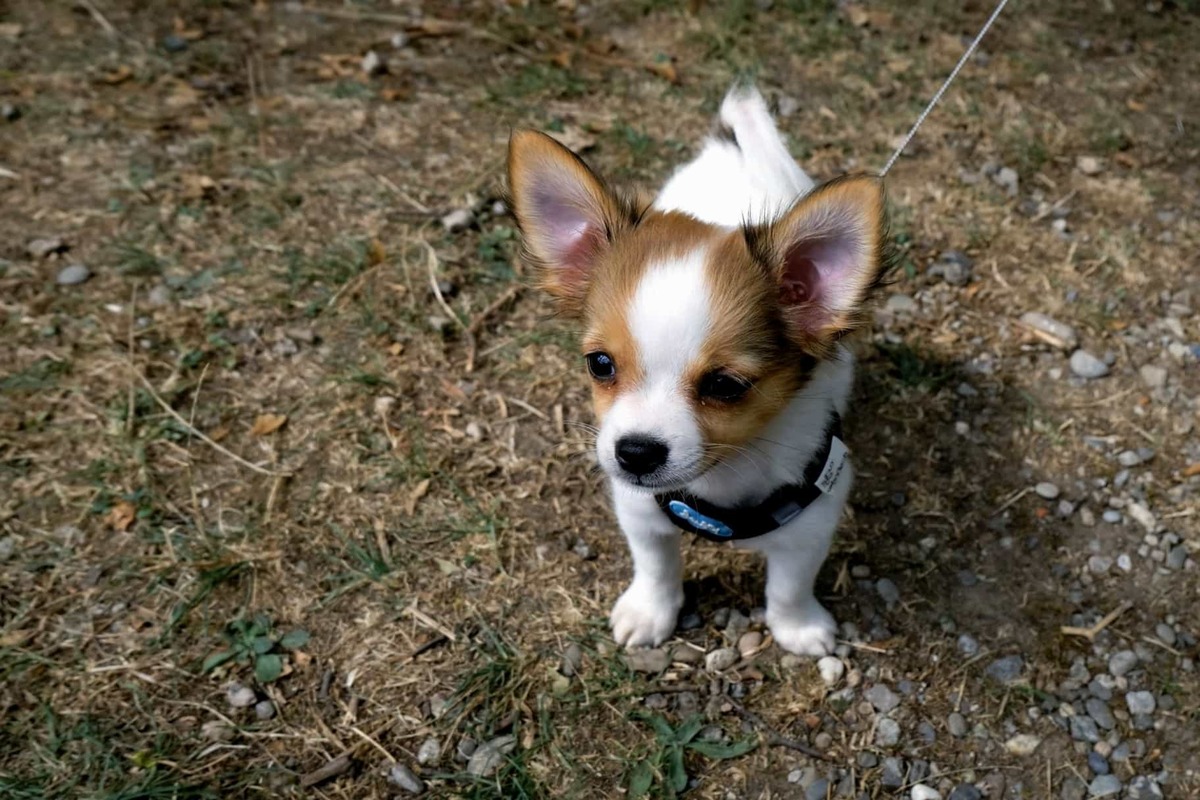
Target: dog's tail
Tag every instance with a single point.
(745, 122)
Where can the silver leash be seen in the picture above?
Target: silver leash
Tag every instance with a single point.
(946, 85)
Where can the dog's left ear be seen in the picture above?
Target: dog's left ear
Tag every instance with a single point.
(828, 253)
(566, 213)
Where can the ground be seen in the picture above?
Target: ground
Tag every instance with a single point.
(256, 458)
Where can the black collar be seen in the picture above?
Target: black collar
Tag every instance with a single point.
(720, 524)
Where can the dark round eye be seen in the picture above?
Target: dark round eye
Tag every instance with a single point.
(601, 365)
(719, 385)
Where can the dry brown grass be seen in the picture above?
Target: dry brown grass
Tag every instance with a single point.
(421, 510)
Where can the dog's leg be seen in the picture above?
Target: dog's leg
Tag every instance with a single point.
(646, 613)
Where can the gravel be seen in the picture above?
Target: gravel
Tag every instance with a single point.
(1121, 662)
(1177, 557)
(1023, 744)
(1104, 786)
(922, 792)
(1007, 669)
(1142, 516)
(1085, 365)
(488, 757)
(458, 220)
(1084, 729)
(1097, 763)
(430, 752)
(72, 275)
(239, 696)
(1046, 490)
(887, 732)
(1051, 330)
(1099, 711)
(45, 247)
(831, 670)
(264, 710)
(893, 773)
(1143, 788)
(965, 791)
(648, 660)
(888, 592)
(403, 777)
(882, 698)
(968, 645)
(1140, 702)
(721, 660)
(956, 723)
(373, 64)
(1154, 376)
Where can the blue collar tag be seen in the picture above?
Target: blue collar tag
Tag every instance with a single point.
(698, 521)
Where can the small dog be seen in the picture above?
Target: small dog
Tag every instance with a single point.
(711, 325)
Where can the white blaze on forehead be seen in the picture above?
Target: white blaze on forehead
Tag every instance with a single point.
(670, 316)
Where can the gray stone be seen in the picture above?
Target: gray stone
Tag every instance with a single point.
(887, 732)
(953, 267)
(239, 696)
(831, 670)
(882, 698)
(965, 791)
(1104, 786)
(1111, 516)
(1099, 565)
(893, 773)
(888, 592)
(1049, 329)
(1177, 557)
(488, 757)
(721, 660)
(8, 546)
(1007, 179)
(1165, 634)
(1099, 711)
(817, 790)
(72, 275)
(1140, 702)
(264, 710)
(374, 64)
(572, 660)
(430, 752)
(901, 304)
(1143, 788)
(1073, 789)
(691, 621)
(957, 725)
(1153, 375)
(1124, 562)
(1142, 516)
(1086, 365)
(403, 777)
(927, 732)
(46, 247)
(10, 112)
(1046, 490)
(922, 792)
(968, 645)
(1084, 729)
(1121, 662)
(1129, 458)
(1097, 763)
(1023, 744)
(1007, 669)
(648, 660)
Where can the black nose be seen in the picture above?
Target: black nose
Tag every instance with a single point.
(641, 455)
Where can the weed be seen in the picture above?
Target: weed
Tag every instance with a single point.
(252, 642)
(664, 768)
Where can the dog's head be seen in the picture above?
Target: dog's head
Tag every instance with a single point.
(695, 336)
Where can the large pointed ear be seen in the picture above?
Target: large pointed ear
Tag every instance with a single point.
(827, 253)
(566, 213)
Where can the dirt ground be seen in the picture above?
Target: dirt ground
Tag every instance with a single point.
(257, 417)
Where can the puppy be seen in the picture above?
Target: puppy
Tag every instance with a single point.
(711, 324)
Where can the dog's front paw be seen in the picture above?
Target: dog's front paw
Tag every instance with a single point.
(807, 632)
(645, 616)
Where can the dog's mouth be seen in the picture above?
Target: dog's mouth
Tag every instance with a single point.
(664, 480)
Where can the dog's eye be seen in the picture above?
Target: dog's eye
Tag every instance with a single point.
(718, 385)
(601, 365)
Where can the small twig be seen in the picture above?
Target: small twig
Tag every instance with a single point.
(131, 411)
(1091, 633)
(176, 416)
(1008, 503)
(518, 402)
(436, 641)
(101, 20)
(337, 766)
(481, 318)
(430, 622)
(866, 647)
(772, 736)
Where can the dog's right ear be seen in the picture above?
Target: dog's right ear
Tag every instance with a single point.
(568, 217)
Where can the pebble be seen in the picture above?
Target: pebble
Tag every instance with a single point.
(1061, 334)
(1124, 562)
(406, 779)
(429, 752)
(965, 791)
(1097, 763)
(887, 732)
(893, 773)
(1007, 179)
(721, 660)
(1153, 375)
(888, 592)
(952, 266)
(691, 621)
(240, 696)
(1121, 662)
(1143, 788)
(968, 645)
(651, 660)
(488, 757)
(1083, 729)
(1046, 490)
(927, 732)
(264, 710)
(1073, 789)
(174, 43)
(8, 546)
(1023, 744)
(957, 725)
(882, 698)
(399, 40)
(1111, 516)
(73, 274)
(817, 790)
(901, 304)
(1165, 634)
(1089, 165)
(1006, 670)
(45, 247)
(1131, 458)
(1140, 702)
(1099, 565)
(1142, 516)
(922, 792)
(720, 617)
(216, 730)
(458, 220)
(684, 654)
(1104, 786)
(373, 64)
(10, 112)
(1086, 365)
(748, 642)
(572, 660)
(1177, 557)
(1098, 710)
(831, 670)
(823, 740)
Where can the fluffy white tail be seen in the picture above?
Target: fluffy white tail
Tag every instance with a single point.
(743, 172)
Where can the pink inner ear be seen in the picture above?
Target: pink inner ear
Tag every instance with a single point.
(821, 279)
(567, 232)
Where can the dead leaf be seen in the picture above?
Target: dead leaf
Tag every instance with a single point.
(1191, 470)
(218, 433)
(561, 59)
(118, 75)
(1135, 105)
(266, 424)
(122, 516)
(375, 253)
(414, 497)
(396, 348)
(453, 390)
(665, 70)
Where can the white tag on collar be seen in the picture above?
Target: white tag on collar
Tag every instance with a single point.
(834, 465)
